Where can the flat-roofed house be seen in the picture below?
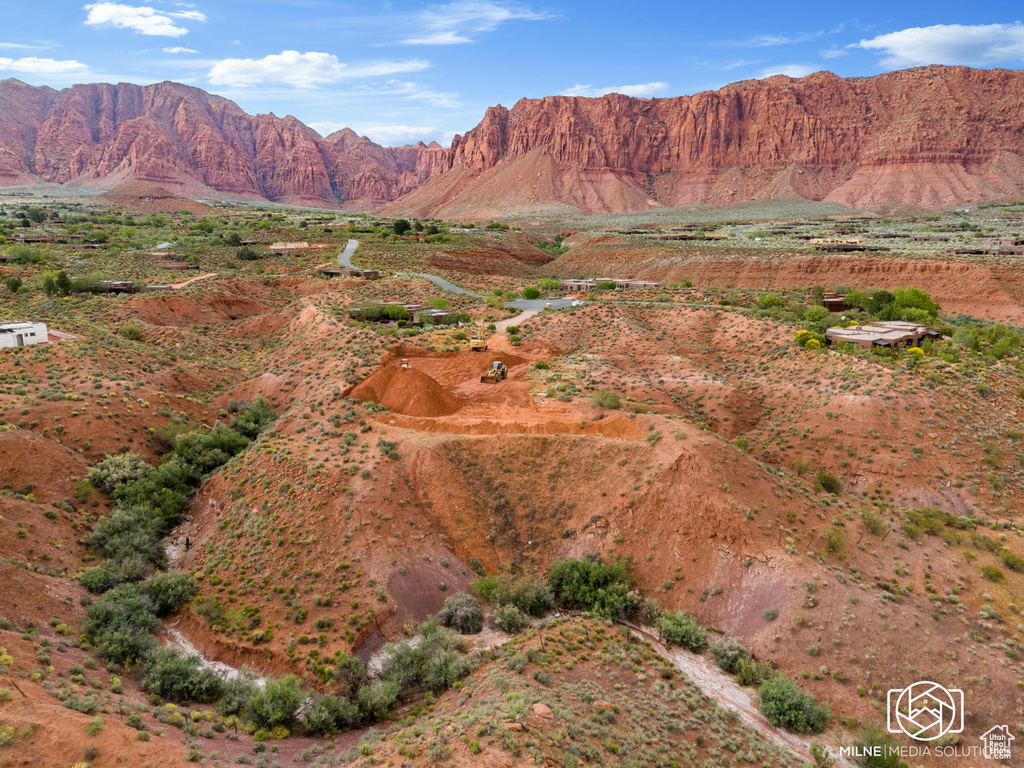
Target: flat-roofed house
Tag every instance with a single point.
(23, 334)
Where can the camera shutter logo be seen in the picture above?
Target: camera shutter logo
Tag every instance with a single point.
(926, 711)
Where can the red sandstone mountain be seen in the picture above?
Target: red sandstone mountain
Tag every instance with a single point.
(191, 142)
(927, 137)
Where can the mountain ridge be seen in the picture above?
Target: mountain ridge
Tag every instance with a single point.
(927, 137)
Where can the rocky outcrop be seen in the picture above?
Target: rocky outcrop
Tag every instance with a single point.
(193, 143)
(926, 137)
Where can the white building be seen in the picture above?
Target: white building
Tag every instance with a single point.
(22, 334)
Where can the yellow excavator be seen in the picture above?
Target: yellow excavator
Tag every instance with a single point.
(479, 341)
(495, 373)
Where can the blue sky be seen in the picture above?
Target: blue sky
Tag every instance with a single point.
(401, 71)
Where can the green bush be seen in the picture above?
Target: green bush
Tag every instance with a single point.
(117, 470)
(1014, 562)
(377, 699)
(175, 676)
(531, 597)
(510, 619)
(330, 714)
(169, 591)
(435, 663)
(119, 624)
(829, 482)
(531, 292)
(788, 706)
(606, 399)
(992, 573)
(236, 692)
(462, 613)
(881, 749)
(130, 332)
(681, 628)
(729, 656)
(275, 704)
(595, 586)
(835, 540)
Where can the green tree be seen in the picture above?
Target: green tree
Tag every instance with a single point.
(401, 226)
(13, 284)
(681, 628)
(276, 704)
(462, 613)
(531, 292)
(788, 706)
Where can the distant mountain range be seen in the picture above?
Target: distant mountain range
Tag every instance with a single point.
(925, 138)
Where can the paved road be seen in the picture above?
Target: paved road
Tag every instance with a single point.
(345, 257)
(523, 305)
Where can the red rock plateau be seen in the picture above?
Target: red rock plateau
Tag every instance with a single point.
(922, 138)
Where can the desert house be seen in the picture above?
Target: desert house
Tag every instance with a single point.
(883, 333)
(23, 334)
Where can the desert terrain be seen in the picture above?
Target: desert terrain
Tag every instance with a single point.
(272, 469)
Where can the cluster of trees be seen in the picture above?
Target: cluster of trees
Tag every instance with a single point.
(149, 502)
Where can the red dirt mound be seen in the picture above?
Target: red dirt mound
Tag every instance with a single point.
(408, 391)
(139, 196)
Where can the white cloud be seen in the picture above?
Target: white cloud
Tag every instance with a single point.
(973, 45)
(386, 135)
(832, 53)
(141, 19)
(33, 65)
(179, 49)
(790, 70)
(21, 47)
(460, 22)
(303, 70)
(642, 90)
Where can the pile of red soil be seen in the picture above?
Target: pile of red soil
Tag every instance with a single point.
(408, 391)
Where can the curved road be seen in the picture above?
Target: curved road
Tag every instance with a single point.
(523, 305)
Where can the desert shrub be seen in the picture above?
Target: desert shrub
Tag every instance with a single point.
(130, 332)
(606, 399)
(604, 285)
(434, 664)
(681, 628)
(788, 706)
(329, 714)
(873, 523)
(245, 253)
(509, 618)
(13, 284)
(880, 749)
(1014, 562)
(992, 573)
(728, 656)
(376, 699)
(175, 676)
(835, 540)
(595, 586)
(235, 693)
(829, 482)
(169, 591)
(119, 624)
(117, 470)
(462, 613)
(769, 301)
(275, 704)
(531, 597)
